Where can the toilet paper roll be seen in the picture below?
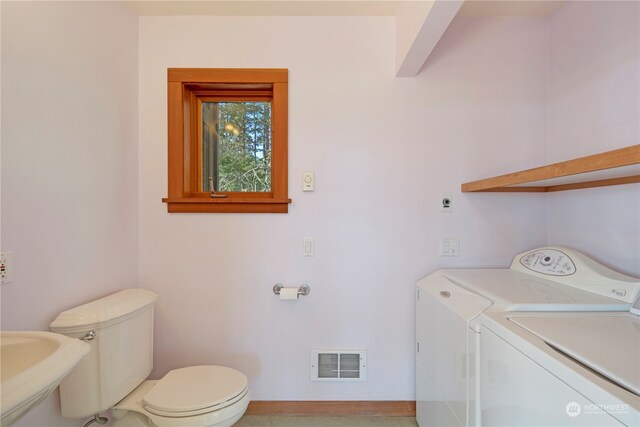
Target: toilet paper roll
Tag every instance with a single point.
(289, 293)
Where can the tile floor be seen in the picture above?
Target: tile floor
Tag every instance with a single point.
(299, 421)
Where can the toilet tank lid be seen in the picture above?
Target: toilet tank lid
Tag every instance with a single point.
(104, 311)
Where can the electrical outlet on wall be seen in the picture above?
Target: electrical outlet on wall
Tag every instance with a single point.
(5, 267)
(450, 246)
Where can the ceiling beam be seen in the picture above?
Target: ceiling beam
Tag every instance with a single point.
(419, 26)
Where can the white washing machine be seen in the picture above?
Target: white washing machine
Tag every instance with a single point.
(449, 304)
(568, 369)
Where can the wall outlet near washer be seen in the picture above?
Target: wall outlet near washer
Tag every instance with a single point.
(449, 246)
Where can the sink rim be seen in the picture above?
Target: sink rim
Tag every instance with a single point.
(29, 387)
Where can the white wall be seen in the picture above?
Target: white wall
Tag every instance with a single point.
(69, 161)
(594, 106)
(383, 150)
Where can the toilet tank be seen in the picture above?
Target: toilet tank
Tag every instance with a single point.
(121, 354)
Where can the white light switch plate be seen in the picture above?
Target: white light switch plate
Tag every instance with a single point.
(308, 246)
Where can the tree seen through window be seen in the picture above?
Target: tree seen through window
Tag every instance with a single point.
(236, 146)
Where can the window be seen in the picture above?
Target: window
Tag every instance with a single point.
(227, 140)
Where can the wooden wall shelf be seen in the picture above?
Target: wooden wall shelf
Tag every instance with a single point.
(616, 167)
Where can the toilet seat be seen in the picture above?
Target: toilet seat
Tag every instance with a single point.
(195, 390)
(130, 412)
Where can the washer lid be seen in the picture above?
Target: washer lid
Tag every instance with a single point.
(194, 388)
(608, 343)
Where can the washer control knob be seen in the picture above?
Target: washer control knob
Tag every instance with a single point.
(546, 260)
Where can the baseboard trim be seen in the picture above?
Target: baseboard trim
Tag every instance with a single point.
(378, 408)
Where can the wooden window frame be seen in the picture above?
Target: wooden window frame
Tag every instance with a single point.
(187, 87)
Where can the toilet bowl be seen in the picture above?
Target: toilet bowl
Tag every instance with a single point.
(113, 376)
(197, 396)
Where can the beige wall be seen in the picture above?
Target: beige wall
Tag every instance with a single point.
(594, 105)
(69, 161)
(81, 190)
(383, 151)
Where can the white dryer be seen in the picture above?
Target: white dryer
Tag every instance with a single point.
(448, 328)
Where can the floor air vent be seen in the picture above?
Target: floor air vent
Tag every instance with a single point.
(338, 365)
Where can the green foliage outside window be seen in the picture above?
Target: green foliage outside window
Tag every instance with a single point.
(237, 154)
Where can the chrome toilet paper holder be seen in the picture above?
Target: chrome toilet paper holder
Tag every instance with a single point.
(302, 289)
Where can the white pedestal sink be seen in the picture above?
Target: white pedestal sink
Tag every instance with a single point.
(32, 364)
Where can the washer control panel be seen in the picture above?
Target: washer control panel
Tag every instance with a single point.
(569, 267)
(549, 261)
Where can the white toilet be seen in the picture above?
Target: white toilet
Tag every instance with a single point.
(119, 329)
